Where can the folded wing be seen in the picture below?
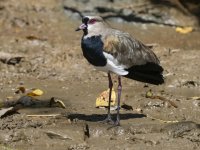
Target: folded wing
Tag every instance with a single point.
(135, 57)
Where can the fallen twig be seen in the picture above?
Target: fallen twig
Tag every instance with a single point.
(164, 99)
(164, 121)
(194, 98)
(49, 115)
(149, 94)
(152, 45)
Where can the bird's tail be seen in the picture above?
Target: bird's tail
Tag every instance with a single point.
(148, 73)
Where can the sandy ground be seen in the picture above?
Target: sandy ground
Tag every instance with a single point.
(52, 61)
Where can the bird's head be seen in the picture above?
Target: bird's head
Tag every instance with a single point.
(90, 24)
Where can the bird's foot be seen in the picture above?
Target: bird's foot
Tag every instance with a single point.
(116, 124)
(108, 120)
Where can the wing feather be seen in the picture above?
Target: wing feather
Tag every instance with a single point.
(127, 50)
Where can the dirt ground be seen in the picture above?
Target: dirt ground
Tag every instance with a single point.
(52, 61)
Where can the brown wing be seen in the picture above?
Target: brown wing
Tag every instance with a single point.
(127, 50)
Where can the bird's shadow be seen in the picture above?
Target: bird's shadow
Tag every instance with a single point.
(100, 117)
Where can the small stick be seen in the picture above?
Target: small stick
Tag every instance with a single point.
(164, 99)
(164, 121)
(152, 45)
(50, 115)
(150, 95)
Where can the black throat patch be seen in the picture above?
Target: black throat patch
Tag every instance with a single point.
(85, 21)
(85, 31)
(93, 50)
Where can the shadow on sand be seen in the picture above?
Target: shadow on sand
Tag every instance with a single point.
(100, 117)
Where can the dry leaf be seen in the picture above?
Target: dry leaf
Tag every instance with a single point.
(5, 111)
(184, 30)
(149, 94)
(14, 61)
(126, 107)
(20, 90)
(35, 92)
(57, 101)
(164, 121)
(1, 104)
(102, 100)
(194, 98)
(53, 135)
(33, 37)
(49, 115)
(139, 110)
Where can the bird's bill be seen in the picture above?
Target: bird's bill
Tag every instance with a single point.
(81, 27)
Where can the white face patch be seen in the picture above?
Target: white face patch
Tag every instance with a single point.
(93, 30)
(91, 27)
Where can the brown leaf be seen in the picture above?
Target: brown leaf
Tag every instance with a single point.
(20, 90)
(126, 107)
(5, 111)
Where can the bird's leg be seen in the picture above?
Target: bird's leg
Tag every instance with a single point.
(117, 122)
(118, 103)
(109, 119)
(110, 94)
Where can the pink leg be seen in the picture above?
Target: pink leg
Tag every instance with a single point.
(108, 118)
(118, 103)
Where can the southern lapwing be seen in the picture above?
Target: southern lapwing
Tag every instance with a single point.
(115, 51)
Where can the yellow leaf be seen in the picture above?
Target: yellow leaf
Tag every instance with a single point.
(102, 100)
(184, 30)
(36, 92)
(149, 94)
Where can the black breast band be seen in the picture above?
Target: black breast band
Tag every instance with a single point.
(93, 50)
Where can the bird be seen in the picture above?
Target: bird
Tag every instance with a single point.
(115, 51)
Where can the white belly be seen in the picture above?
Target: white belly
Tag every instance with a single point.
(111, 67)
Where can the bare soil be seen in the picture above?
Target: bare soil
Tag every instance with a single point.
(52, 61)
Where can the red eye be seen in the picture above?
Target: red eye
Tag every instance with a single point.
(91, 21)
